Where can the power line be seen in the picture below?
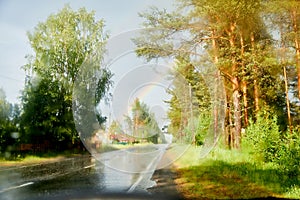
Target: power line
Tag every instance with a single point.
(10, 78)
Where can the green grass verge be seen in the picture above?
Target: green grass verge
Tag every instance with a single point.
(28, 159)
(226, 174)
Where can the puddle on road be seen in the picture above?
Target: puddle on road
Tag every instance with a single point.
(113, 180)
(70, 177)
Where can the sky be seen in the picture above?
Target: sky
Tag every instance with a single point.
(18, 17)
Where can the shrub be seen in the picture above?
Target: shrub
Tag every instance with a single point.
(203, 125)
(264, 138)
(199, 126)
(266, 142)
(289, 160)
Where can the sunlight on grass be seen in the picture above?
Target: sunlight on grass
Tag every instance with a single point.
(188, 158)
(30, 159)
(114, 147)
(293, 192)
(33, 159)
(231, 174)
(232, 156)
(191, 156)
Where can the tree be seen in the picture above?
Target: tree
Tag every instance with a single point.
(143, 122)
(42, 118)
(230, 35)
(5, 107)
(61, 45)
(114, 128)
(287, 16)
(9, 136)
(189, 98)
(284, 17)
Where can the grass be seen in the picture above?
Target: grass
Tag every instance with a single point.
(114, 147)
(29, 159)
(226, 174)
(188, 158)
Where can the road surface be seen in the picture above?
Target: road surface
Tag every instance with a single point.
(122, 173)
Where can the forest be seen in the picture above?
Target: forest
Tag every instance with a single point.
(254, 45)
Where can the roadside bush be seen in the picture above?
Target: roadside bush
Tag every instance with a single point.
(199, 126)
(204, 121)
(289, 160)
(268, 144)
(264, 138)
(190, 130)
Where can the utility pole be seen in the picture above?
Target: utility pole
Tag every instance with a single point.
(192, 117)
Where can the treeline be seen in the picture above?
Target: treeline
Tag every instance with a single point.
(254, 44)
(9, 124)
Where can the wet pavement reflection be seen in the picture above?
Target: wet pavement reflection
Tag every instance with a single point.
(83, 177)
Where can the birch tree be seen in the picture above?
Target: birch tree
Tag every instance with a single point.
(60, 46)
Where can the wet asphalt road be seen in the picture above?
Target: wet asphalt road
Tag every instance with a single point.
(123, 174)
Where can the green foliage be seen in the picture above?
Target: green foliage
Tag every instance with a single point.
(9, 132)
(268, 144)
(232, 174)
(230, 35)
(264, 137)
(237, 38)
(293, 192)
(204, 122)
(115, 128)
(189, 132)
(64, 44)
(4, 107)
(45, 116)
(143, 123)
(197, 129)
(289, 160)
(190, 96)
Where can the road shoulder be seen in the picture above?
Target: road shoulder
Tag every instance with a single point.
(166, 187)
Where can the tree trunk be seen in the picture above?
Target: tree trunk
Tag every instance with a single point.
(287, 97)
(229, 139)
(215, 48)
(256, 96)
(298, 71)
(283, 62)
(235, 93)
(245, 101)
(255, 82)
(216, 60)
(244, 83)
(237, 112)
(297, 46)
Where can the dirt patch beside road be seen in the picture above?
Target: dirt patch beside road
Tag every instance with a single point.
(166, 187)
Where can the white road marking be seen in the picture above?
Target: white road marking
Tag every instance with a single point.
(156, 159)
(89, 166)
(16, 187)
